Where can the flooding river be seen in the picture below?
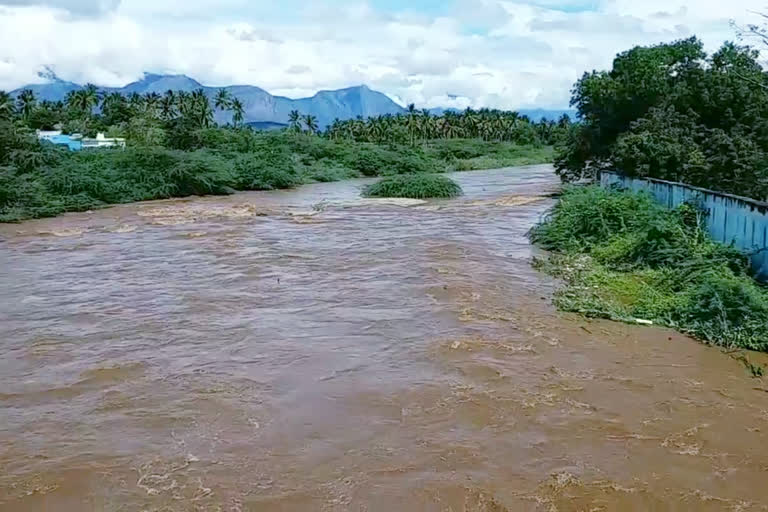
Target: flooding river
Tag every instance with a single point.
(304, 350)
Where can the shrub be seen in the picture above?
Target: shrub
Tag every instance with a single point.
(625, 257)
(267, 169)
(417, 186)
(587, 216)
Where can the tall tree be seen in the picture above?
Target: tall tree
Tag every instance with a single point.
(168, 106)
(6, 105)
(238, 112)
(202, 112)
(310, 122)
(26, 102)
(294, 120)
(413, 123)
(223, 99)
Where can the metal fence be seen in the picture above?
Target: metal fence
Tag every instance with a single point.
(732, 219)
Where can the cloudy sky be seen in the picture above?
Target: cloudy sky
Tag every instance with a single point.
(497, 53)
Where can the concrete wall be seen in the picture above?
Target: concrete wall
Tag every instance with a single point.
(732, 219)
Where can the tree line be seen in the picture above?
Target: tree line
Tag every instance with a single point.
(421, 125)
(77, 112)
(143, 117)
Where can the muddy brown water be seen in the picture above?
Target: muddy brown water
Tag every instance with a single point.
(253, 353)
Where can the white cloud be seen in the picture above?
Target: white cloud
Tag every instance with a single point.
(477, 52)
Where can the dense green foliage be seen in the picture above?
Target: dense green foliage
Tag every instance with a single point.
(414, 186)
(175, 149)
(624, 257)
(42, 180)
(673, 112)
(484, 124)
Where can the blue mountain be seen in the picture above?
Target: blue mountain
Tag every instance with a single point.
(262, 110)
(54, 89)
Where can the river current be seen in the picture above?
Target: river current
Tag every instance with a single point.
(307, 350)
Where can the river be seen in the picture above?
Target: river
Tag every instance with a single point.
(304, 350)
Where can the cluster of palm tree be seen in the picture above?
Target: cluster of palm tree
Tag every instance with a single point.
(193, 106)
(301, 123)
(486, 124)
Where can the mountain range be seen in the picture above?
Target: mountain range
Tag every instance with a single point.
(262, 109)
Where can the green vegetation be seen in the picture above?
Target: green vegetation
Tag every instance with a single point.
(624, 257)
(675, 113)
(414, 186)
(176, 149)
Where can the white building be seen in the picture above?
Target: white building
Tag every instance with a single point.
(103, 142)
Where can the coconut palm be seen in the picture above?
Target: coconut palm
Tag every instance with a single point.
(201, 109)
(152, 103)
(136, 102)
(238, 111)
(223, 100)
(310, 122)
(413, 123)
(183, 102)
(294, 120)
(90, 97)
(168, 106)
(26, 102)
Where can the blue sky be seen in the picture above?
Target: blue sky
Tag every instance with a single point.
(496, 53)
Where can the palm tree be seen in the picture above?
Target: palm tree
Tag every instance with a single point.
(113, 104)
(183, 102)
(427, 124)
(168, 106)
(6, 105)
(136, 102)
(26, 102)
(151, 103)
(201, 107)
(294, 118)
(89, 98)
(412, 123)
(237, 111)
(223, 99)
(310, 122)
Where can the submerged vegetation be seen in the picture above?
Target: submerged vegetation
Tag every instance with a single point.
(624, 257)
(176, 149)
(414, 186)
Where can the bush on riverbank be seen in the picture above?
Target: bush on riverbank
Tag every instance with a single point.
(624, 257)
(415, 186)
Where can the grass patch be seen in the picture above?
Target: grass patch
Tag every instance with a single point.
(415, 186)
(475, 154)
(624, 257)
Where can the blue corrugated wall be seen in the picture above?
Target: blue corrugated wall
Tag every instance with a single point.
(732, 219)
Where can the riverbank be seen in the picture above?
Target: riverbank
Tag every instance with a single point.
(225, 161)
(624, 257)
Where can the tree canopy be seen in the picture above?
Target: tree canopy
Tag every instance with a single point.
(673, 112)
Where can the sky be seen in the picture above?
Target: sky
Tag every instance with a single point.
(447, 53)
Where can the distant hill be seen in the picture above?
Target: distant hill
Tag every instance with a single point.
(263, 110)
